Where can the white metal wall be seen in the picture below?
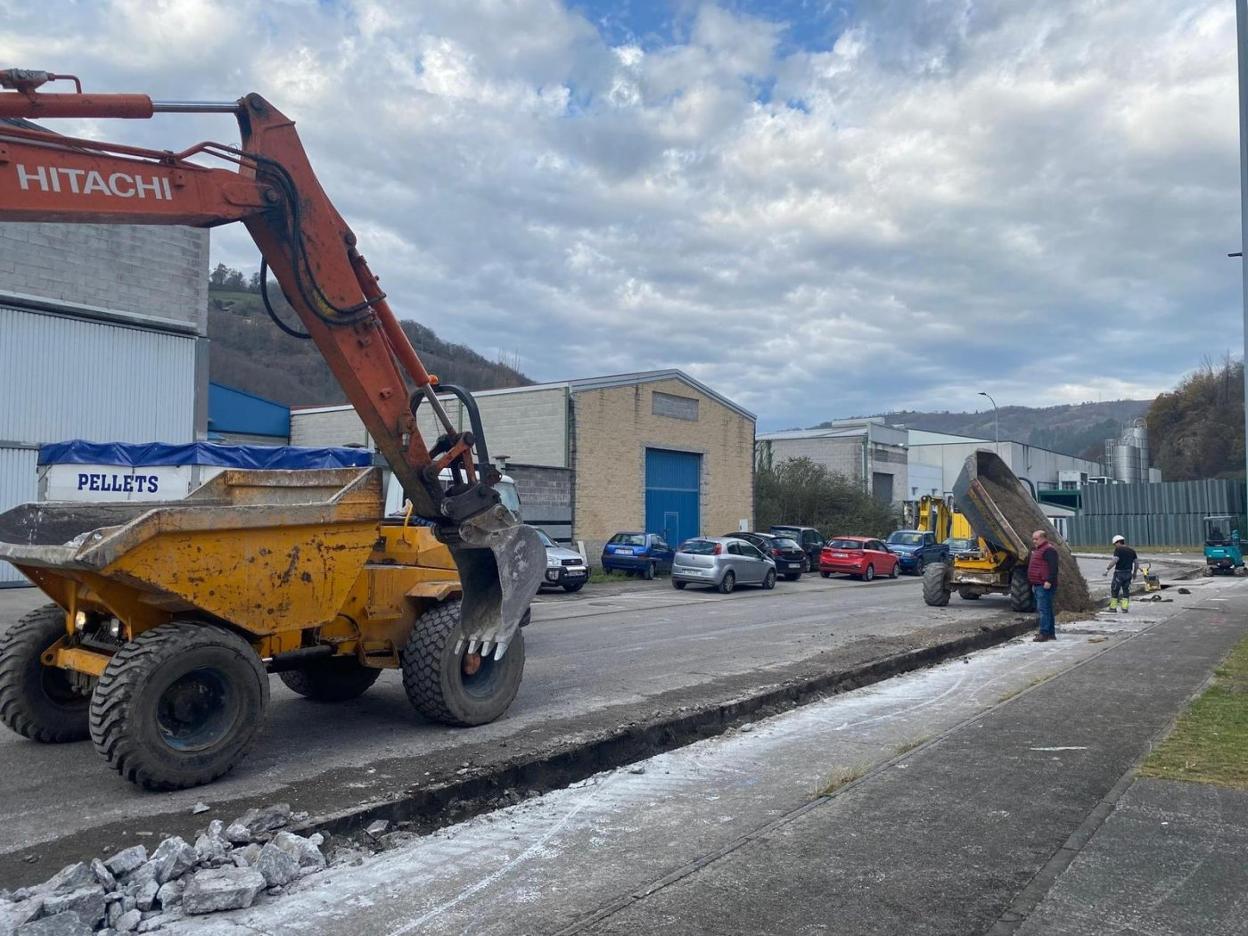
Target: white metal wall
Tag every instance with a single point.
(66, 378)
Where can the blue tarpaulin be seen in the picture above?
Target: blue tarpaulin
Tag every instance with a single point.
(147, 454)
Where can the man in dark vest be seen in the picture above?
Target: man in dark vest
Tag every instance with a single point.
(1125, 565)
(1042, 574)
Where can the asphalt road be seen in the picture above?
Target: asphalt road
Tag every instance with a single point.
(610, 646)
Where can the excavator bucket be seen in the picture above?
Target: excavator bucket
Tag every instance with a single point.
(501, 563)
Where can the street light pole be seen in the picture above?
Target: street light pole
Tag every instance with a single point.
(996, 420)
(1241, 35)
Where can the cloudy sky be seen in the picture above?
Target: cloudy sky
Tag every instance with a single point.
(820, 208)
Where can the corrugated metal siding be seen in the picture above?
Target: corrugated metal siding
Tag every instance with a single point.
(65, 378)
(18, 485)
(1167, 497)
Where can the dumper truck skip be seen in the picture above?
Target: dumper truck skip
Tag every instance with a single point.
(167, 618)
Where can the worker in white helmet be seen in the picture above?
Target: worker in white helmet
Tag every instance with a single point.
(1125, 565)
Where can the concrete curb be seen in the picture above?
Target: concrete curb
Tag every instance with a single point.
(440, 805)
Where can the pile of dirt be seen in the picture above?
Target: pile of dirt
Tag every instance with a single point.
(1025, 516)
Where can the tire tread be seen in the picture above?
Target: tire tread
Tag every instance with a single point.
(12, 660)
(115, 693)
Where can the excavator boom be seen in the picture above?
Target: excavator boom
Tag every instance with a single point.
(268, 185)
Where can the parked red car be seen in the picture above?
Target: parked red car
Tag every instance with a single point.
(859, 556)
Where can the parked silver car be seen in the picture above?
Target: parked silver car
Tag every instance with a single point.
(722, 562)
(564, 567)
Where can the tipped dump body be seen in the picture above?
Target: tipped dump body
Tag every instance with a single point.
(1003, 513)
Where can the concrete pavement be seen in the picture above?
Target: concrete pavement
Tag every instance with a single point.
(945, 801)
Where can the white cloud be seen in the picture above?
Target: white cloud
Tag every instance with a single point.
(1034, 199)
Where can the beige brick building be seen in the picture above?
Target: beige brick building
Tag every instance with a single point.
(655, 451)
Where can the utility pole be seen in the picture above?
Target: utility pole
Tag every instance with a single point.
(996, 421)
(1241, 35)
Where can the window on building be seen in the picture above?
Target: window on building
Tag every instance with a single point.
(676, 407)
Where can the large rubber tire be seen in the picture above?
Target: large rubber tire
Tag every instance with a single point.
(1022, 599)
(571, 587)
(139, 708)
(434, 678)
(868, 574)
(727, 583)
(936, 585)
(332, 680)
(37, 701)
(769, 580)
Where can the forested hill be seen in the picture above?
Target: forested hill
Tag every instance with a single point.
(247, 351)
(1196, 431)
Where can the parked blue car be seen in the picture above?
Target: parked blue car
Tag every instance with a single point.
(644, 554)
(915, 549)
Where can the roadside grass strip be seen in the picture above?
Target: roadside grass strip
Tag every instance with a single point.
(1209, 743)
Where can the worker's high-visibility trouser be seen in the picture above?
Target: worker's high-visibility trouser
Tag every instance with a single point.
(1120, 591)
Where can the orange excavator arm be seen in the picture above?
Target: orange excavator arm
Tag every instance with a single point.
(270, 187)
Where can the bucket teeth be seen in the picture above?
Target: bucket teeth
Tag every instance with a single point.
(459, 646)
(501, 563)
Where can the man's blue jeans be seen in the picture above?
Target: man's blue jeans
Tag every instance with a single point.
(1044, 608)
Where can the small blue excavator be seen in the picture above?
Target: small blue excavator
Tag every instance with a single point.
(1224, 553)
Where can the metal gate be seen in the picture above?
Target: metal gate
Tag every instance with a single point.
(673, 494)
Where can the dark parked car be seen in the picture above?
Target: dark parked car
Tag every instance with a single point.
(810, 539)
(915, 549)
(789, 558)
(958, 546)
(644, 554)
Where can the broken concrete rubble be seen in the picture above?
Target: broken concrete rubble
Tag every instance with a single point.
(219, 889)
(279, 867)
(132, 892)
(172, 859)
(127, 860)
(103, 876)
(306, 851)
(87, 902)
(66, 923)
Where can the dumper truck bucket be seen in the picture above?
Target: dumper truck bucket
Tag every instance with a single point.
(501, 563)
(999, 508)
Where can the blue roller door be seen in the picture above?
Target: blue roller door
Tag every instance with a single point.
(673, 494)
